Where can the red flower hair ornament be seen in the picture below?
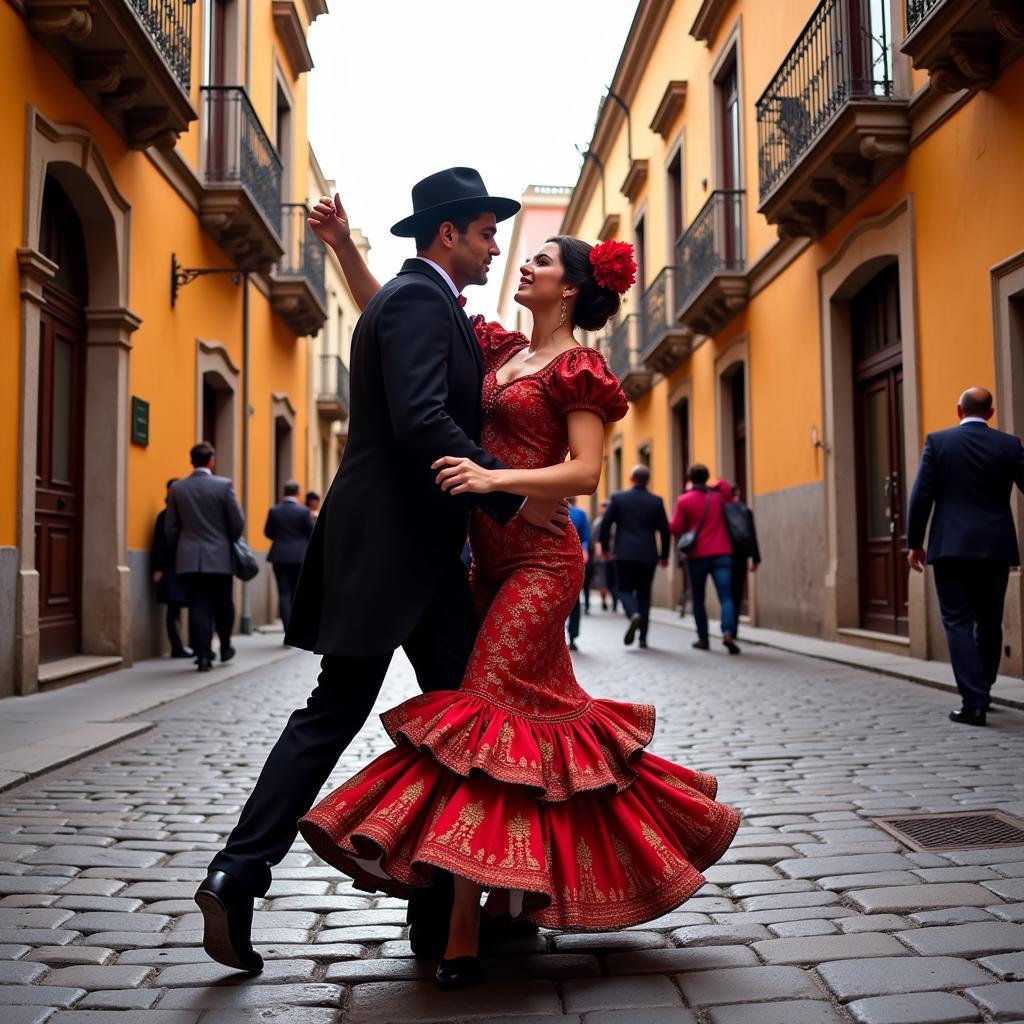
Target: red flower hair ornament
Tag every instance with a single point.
(614, 266)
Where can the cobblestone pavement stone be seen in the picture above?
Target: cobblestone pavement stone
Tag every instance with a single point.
(815, 915)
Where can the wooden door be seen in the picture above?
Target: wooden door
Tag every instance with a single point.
(59, 459)
(730, 145)
(881, 489)
(60, 450)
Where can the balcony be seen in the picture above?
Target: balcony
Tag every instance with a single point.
(623, 348)
(132, 58)
(332, 389)
(241, 203)
(828, 125)
(297, 289)
(712, 282)
(666, 343)
(963, 44)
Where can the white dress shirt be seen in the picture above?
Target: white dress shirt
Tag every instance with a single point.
(444, 274)
(973, 419)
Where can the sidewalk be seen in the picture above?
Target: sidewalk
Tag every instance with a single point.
(1008, 691)
(46, 730)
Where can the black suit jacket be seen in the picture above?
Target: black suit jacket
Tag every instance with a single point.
(161, 559)
(386, 531)
(640, 521)
(966, 475)
(288, 527)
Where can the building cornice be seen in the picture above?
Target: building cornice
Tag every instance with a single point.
(709, 19)
(641, 40)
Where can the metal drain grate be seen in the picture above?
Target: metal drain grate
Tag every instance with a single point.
(960, 830)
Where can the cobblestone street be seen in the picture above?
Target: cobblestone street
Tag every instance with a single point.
(815, 915)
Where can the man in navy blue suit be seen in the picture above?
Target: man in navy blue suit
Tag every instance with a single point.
(640, 523)
(289, 527)
(966, 476)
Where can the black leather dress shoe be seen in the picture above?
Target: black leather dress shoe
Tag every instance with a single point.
(504, 928)
(965, 716)
(227, 654)
(634, 625)
(428, 941)
(459, 972)
(182, 652)
(227, 923)
(203, 664)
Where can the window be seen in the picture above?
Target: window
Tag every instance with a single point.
(643, 454)
(639, 234)
(676, 211)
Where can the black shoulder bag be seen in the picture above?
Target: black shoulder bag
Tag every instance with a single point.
(688, 539)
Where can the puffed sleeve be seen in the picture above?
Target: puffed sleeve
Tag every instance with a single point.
(582, 380)
(496, 343)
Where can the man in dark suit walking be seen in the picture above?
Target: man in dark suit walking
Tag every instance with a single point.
(416, 374)
(966, 476)
(204, 519)
(640, 523)
(288, 527)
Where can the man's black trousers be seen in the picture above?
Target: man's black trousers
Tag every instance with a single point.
(287, 576)
(971, 592)
(633, 581)
(316, 735)
(211, 606)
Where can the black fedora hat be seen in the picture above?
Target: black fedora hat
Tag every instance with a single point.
(448, 193)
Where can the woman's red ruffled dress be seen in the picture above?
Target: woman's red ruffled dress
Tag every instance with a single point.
(520, 780)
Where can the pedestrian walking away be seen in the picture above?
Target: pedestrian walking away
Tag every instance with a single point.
(746, 552)
(603, 568)
(288, 528)
(313, 503)
(382, 569)
(641, 544)
(204, 519)
(169, 589)
(582, 525)
(521, 783)
(699, 523)
(963, 486)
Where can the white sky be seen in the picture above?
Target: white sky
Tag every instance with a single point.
(402, 88)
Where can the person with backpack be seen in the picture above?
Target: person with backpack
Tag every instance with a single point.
(746, 554)
(700, 526)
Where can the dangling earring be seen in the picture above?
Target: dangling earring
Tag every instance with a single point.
(564, 317)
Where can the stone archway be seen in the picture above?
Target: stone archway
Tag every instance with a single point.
(70, 156)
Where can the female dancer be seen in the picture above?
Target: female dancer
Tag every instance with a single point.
(520, 782)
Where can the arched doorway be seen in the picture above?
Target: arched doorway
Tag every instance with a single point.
(60, 428)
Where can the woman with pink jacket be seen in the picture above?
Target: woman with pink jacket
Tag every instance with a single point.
(700, 508)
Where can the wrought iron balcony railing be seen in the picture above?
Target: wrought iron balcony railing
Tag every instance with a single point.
(303, 251)
(917, 11)
(842, 54)
(711, 244)
(169, 24)
(238, 150)
(333, 385)
(659, 311)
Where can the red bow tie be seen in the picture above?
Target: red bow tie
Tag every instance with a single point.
(461, 300)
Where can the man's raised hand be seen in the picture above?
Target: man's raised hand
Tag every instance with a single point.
(329, 221)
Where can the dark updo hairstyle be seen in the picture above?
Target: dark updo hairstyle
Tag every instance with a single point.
(595, 305)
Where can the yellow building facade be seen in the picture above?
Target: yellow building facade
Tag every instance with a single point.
(829, 224)
(161, 287)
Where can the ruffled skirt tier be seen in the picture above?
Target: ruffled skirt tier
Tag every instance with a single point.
(595, 832)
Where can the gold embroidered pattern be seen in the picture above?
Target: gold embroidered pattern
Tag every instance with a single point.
(518, 855)
(588, 891)
(470, 818)
(397, 811)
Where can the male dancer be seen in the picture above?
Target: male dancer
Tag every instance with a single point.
(417, 374)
